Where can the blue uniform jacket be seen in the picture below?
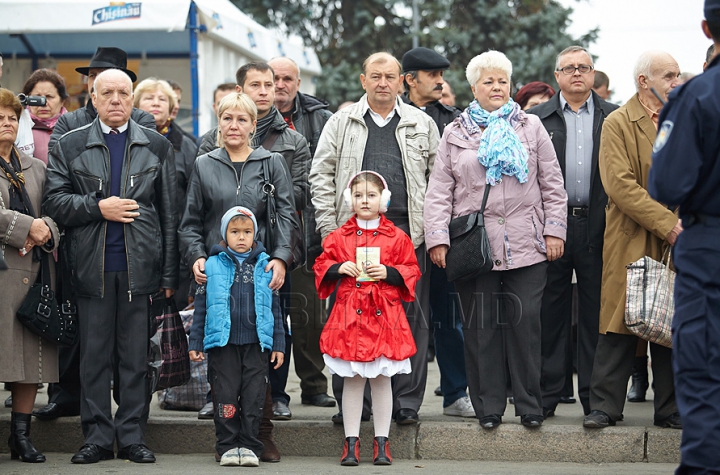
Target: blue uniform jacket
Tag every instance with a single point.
(686, 154)
(236, 298)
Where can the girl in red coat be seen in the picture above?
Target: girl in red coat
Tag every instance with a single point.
(367, 335)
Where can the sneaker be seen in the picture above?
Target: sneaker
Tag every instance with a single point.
(231, 458)
(461, 408)
(248, 458)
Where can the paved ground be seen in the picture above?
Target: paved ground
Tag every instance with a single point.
(58, 464)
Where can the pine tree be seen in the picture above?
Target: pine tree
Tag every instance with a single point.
(344, 33)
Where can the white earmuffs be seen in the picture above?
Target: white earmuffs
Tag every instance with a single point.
(385, 195)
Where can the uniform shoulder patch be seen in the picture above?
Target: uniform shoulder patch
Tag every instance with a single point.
(663, 135)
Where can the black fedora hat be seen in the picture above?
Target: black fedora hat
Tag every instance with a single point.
(108, 58)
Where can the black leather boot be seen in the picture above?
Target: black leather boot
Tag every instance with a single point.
(21, 446)
(351, 452)
(640, 382)
(381, 451)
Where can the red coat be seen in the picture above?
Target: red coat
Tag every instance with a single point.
(368, 319)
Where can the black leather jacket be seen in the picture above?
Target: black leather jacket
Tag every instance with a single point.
(440, 113)
(310, 116)
(85, 115)
(552, 117)
(79, 176)
(215, 187)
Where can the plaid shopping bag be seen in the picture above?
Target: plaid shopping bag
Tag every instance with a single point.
(649, 303)
(192, 395)
(169, 360)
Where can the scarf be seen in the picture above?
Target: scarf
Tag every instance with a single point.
(19, 199)
(263, 125)
(165, 128)
(501, 152)
(48, 123)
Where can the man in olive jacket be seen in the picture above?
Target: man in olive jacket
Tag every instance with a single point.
(112, 186)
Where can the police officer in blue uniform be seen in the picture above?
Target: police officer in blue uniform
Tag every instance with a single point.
(686, 172)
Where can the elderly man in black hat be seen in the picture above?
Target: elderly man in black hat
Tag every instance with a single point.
(423, 77)
(105, 58)
(64, 397)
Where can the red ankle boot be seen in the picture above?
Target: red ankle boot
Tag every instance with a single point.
(351, 452)
(381, 451)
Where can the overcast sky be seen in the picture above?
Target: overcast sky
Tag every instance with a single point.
(629, 27)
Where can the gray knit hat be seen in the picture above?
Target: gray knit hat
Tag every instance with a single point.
(236, 211)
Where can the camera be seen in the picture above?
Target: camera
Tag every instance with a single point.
(34, 101)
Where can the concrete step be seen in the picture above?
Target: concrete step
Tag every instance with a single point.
(437, 437)
(510, 442)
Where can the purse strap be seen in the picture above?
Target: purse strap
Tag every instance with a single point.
(269, 189)
(485, 198)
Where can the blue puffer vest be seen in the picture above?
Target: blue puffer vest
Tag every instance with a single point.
(220, 269)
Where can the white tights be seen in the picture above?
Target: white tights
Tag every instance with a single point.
(352, 404)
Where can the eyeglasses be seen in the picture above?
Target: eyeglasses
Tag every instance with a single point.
(568, 70)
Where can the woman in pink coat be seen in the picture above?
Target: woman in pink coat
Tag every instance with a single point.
(494, 143)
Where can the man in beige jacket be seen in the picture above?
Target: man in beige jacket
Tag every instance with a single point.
(398, 141)
(636, 226)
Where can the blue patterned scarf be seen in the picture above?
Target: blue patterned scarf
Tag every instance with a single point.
(501, 152)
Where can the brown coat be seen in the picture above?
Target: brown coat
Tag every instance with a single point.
(636, 224)
(24, 358)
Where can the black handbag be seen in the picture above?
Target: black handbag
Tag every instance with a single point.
(41, 314)
(469, 254)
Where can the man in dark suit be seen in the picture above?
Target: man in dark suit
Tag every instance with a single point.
(64, 396)
(574, 119)
(124, 242)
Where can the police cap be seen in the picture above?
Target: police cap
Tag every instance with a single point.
(712, 11)
(423, 59)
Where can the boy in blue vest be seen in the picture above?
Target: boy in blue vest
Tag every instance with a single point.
(237, 317)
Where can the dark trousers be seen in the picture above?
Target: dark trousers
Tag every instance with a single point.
(501, 319)
(307, 318)
(696, 347)
(239, 381)
(66, 392)
(278, 377)
(114, 329)
(448, 336)
(556, 315)
(408, 389)
(614, 359)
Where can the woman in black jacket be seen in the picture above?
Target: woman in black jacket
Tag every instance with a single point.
(237, 175)
(157, 98)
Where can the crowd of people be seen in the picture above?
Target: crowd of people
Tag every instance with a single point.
(325, 236)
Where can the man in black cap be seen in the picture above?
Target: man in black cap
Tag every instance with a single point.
(685, 172)
(423, 77)
(64, 400)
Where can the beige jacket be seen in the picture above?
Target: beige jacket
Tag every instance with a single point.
(636, 224)
(339, 156)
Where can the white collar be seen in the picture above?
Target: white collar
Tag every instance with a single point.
(377, 118)
(106, 128)
(368, 223)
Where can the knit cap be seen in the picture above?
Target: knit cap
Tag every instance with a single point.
(235, 211)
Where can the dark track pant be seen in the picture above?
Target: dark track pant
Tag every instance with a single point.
(238, 375)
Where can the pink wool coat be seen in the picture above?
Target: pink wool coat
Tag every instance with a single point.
(517, 215)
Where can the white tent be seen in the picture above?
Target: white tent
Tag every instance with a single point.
(204, 41)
